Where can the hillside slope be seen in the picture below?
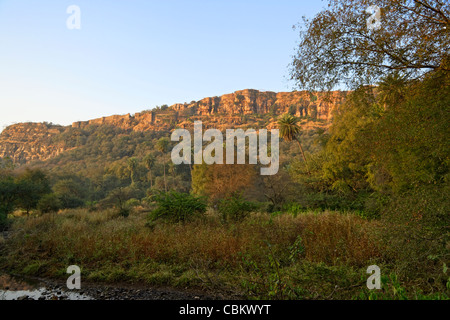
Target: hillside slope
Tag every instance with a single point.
(28, 142)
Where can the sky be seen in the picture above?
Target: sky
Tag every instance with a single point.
(132, 55)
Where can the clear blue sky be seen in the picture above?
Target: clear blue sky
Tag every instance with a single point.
(132, 55)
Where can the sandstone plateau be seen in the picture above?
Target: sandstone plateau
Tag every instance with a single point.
(27, 142)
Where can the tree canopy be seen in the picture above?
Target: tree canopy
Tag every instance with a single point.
(337, 47)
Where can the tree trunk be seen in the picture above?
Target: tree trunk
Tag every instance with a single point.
(303, 155)
(165, 182)
(151, 179)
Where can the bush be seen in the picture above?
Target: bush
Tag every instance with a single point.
(49, 203)
(293, 208)
(132, 203)
(416, 232)
(235, 208)
(3, 219)
(70, 201)
(177, 207)
(124, 211)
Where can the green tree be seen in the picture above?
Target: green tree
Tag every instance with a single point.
(337, 47)
(289, 130)
(162, 146)
(8, 197)
(391, 89)
(177, 207)
(32, 185)
(70, 193)
(49, 203)
(133, 164)
(149, 161)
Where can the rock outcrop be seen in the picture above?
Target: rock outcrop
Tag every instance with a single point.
(27, 142)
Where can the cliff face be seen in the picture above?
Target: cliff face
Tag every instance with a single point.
(27, 142)
(228, 107)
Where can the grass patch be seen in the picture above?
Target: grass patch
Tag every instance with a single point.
(307, 256)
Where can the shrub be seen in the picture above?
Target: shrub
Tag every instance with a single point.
(70, 201)
(293, 208)
(3, 219)
(235, 208)
(132, 203)
(123, 211)
(416, 234)
(177, 207)
(49, 203)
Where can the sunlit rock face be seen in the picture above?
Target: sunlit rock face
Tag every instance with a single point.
(26, 142)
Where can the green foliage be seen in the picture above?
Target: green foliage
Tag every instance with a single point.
(32, 185)
(132, 203)
(119, 199)
(49, 203)
(22, 191)
(289, 130)
(70, 193)
(177, 207)
(8, 196)
(162, 145)
(288, 126)
(382, 143)
(416, 230)
(336, 47)
(235, 208)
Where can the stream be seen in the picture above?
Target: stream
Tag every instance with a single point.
(15, 288)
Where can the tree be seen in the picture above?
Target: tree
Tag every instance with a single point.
(149, 161)
(278, 188)
(177, 207)
(69, 192)
(337, 46)
(172, 171)
(391, 89)
(32, 185)
(119, 199)
(133, 164)
(49, 203)
(8, 197)
(162, 146)
(289, 129)
(221, 180)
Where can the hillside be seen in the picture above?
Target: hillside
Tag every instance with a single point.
(28, 142)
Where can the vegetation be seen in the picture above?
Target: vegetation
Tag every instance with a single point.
(177, 207)
(372, 188)
(289, 130)
(235, 208)
(336, 46)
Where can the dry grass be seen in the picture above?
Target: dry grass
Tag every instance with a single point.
(112, 248)
(333, 238)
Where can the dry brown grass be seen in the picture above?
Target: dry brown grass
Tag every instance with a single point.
(334, 238)
(113, 248)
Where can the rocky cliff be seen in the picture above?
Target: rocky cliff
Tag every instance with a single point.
(27, 142)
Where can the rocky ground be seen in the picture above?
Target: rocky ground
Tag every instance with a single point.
(20, 288)
(13, 288)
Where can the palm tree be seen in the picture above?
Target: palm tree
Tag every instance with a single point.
(132, 166)
(149, 161)
(289, 129)
(162, 145)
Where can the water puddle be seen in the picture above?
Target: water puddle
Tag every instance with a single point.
(13, 288)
